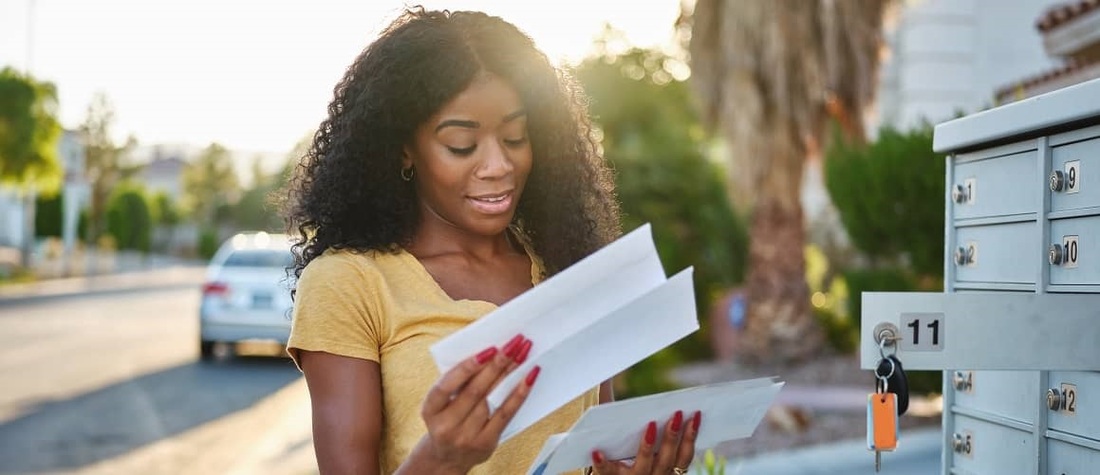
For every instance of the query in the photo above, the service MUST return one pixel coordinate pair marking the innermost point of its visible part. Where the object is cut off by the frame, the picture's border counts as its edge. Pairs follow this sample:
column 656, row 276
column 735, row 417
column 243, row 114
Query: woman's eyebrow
column 469, row 124
column 473, row 124
column 515, row 115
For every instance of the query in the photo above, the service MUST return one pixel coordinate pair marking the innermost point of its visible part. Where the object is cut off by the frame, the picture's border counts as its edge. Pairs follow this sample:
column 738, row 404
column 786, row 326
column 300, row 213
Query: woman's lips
column 492, row 203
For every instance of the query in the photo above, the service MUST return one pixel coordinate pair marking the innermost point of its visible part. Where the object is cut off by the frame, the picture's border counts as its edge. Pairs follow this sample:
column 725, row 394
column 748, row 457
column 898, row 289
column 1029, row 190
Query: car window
column 259, row 258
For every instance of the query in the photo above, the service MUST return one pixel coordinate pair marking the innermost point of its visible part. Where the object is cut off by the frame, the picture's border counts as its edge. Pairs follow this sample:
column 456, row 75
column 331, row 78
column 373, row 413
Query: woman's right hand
column 461, row 431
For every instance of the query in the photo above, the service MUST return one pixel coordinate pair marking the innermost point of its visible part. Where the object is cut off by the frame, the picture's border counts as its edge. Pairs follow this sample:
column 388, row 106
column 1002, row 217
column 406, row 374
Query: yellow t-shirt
column 386, row 307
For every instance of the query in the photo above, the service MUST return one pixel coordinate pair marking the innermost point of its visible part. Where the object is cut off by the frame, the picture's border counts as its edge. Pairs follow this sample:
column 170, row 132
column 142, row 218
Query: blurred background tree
column 210, row 189
column 651, row 133
column 209, row 181
column 29, row 132
column 255, row 210
column 769, row 75
column 167, row 212
column 106, row 163
column 167, row 216
column 130, row 217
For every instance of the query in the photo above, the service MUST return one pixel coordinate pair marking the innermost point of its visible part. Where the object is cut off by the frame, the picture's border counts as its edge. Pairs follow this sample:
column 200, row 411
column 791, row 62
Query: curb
column 179, row 276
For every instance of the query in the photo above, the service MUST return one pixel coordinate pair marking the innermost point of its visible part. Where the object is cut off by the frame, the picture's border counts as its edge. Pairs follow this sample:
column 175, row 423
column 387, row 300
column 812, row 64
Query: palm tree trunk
column 780, row 327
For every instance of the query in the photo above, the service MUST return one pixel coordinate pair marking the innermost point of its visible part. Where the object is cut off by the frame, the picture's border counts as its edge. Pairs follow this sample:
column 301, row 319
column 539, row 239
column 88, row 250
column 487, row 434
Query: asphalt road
column 109, row 382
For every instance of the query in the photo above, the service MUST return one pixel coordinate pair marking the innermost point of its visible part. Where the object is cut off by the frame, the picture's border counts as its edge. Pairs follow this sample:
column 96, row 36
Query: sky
column 252, row 74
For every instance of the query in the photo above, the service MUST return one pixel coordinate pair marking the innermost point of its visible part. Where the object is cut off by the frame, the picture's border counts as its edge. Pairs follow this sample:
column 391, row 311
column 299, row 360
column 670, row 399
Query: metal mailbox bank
column 1017, row 328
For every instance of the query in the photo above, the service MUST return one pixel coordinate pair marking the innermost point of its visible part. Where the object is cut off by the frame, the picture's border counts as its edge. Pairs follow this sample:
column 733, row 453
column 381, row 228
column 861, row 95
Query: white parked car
column 245, row 296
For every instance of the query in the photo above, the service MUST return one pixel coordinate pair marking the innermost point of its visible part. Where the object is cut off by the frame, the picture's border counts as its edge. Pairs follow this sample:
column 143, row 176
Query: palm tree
column 769, row 75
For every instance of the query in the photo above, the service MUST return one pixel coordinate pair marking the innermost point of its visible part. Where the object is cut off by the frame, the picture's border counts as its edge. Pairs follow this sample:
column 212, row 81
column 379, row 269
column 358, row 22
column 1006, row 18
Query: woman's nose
column 495, row 163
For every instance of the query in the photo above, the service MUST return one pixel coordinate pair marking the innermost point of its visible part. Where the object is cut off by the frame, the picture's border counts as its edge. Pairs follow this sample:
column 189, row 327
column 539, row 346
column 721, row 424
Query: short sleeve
column 336, row 308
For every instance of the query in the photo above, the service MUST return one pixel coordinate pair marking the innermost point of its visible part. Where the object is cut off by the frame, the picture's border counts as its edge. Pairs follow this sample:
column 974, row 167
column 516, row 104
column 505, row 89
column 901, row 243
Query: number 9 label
column 1073, row 176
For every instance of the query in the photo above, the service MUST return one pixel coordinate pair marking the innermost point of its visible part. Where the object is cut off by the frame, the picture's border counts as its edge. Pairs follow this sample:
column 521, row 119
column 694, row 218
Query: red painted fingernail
column 651, row 433
column 523, row 350
column 597, row 457
column 512, row 346
column 533, row 375
column 677, row 421
column 486, row 354
column 695, row 420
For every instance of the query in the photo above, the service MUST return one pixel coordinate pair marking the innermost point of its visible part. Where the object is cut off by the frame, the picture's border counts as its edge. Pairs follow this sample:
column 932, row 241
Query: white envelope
column 730, row 410
column 587, row 323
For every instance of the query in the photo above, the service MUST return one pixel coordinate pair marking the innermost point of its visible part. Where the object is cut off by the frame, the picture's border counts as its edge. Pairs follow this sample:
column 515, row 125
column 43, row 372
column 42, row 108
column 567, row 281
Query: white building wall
column 11, row 217
column 949, row 56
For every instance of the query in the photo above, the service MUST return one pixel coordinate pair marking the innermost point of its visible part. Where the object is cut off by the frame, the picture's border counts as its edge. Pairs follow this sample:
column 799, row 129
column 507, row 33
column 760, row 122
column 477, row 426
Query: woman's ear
column 406, row 157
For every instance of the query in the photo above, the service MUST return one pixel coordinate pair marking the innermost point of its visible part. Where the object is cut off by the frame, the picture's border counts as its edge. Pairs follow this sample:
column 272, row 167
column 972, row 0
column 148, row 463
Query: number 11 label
column 922, row 332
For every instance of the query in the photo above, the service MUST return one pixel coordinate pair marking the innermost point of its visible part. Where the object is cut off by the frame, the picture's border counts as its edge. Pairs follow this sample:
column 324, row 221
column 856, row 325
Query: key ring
column 885, row 379
column 889, row 375
column 882, row 346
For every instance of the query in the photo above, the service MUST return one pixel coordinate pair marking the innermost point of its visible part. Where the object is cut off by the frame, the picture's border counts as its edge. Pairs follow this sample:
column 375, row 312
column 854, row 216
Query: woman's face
column 472, row 158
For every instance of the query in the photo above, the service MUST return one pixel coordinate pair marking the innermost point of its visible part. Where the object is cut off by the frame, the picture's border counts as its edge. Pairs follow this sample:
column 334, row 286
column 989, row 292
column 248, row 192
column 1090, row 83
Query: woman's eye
column 462, row 151
column 516, row 142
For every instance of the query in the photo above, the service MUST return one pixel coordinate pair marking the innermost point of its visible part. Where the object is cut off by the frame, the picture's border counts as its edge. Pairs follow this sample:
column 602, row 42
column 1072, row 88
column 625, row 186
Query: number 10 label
column 921, row 332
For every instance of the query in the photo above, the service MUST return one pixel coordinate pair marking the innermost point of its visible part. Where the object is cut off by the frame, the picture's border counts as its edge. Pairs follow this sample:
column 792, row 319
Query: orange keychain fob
column 882, row 422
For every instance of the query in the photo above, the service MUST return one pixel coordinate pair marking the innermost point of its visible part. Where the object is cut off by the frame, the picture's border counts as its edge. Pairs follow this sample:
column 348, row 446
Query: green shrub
column 890, row 197
column 130, row 218
column 47, row 215
column 167, row 211
column 208, row 243
column 83, row 225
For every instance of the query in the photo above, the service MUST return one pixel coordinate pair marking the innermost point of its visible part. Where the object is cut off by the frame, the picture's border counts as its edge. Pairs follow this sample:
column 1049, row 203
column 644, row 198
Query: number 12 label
column 922, row 332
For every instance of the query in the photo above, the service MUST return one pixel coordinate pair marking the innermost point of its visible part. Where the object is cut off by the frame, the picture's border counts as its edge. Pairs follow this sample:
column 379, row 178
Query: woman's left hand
column 671, row 455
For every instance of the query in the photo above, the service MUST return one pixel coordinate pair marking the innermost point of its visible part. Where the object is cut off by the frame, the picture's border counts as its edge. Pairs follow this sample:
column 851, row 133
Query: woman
column 456, row 169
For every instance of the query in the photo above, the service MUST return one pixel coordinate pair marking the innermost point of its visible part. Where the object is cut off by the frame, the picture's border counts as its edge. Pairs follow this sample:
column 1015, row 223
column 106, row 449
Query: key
column 883, row 410
column 882, row 424
column 896, row 380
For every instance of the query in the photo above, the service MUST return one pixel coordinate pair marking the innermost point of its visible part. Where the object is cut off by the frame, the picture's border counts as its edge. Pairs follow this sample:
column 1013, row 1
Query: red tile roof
column 1062, row 13
column 1071, row 67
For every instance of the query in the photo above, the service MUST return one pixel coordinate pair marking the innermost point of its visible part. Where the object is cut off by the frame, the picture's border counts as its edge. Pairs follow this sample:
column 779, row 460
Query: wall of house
column 11, row 217
column 949, row 56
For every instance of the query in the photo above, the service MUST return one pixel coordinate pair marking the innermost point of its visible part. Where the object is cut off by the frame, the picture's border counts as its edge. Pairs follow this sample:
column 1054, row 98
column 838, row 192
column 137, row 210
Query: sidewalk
column 918, row 453
column 173, row 276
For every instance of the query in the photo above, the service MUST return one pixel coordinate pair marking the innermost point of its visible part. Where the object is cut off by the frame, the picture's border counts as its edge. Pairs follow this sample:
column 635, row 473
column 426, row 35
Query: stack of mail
column 588, row 323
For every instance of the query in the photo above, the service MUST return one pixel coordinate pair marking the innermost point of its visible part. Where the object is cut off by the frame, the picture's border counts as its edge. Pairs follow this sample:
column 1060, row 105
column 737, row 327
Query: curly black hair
column 347, row 191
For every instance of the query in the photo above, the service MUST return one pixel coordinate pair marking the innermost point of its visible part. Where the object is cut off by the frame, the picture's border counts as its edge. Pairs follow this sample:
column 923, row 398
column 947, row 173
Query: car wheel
column 206, row 350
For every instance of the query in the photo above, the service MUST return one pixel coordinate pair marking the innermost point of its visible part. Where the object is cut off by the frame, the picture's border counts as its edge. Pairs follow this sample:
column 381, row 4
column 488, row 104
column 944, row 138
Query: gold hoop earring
column 407, row 174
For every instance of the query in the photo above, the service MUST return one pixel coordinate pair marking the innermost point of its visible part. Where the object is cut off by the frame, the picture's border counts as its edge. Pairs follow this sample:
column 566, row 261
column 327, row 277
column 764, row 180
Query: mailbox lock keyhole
column 1057, row 180
column 1054, row 399
column 1055, row 255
